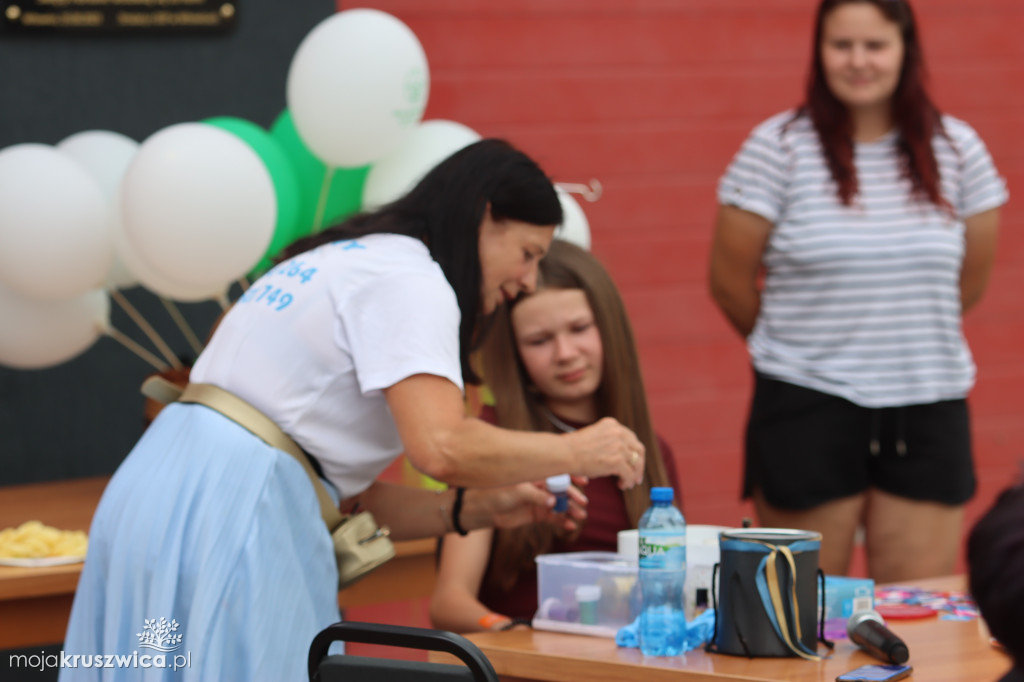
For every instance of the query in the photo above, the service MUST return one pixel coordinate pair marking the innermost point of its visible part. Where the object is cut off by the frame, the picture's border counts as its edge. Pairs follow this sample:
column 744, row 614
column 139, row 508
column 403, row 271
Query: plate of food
column 34, row 544
column 41, row 561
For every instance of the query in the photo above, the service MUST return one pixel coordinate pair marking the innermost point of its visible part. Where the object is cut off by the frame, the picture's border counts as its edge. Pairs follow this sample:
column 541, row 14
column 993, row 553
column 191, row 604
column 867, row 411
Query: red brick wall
column 652, row 97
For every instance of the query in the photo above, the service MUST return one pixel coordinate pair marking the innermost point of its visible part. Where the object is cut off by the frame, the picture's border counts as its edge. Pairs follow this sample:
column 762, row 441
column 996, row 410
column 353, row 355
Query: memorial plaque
column 28, row 17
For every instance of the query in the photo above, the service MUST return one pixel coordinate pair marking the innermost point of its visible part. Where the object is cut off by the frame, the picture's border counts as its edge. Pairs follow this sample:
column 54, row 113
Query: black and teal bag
column 768, row 595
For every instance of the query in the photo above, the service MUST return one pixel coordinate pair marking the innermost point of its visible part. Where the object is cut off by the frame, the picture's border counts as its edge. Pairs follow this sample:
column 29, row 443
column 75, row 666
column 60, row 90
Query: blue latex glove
column 699, row 631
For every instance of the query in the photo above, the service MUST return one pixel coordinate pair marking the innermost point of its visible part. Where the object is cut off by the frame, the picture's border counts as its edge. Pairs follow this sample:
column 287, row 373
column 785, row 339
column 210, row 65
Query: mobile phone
column 876, row 673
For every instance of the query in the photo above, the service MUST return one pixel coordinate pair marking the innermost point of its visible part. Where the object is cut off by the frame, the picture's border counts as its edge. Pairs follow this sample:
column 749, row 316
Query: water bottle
column 662, row 537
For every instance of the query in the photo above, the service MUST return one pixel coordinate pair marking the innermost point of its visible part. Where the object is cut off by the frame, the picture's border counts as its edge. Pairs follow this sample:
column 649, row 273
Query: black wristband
column 517, row 621
column 460, row 492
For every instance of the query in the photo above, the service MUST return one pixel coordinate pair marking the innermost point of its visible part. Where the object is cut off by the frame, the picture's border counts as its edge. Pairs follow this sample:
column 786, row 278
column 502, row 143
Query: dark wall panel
column 81, row 418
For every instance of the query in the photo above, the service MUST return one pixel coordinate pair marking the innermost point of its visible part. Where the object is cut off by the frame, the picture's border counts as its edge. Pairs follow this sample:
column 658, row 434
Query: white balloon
column 143, row 274
column 574, row 228
column 198, row 206
column 430, row 143
column 54, row 224
column 357, row 86
column 106, row 155
column 37, row 334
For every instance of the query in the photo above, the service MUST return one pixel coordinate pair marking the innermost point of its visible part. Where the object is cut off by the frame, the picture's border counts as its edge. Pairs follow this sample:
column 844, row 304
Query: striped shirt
column 861, row 301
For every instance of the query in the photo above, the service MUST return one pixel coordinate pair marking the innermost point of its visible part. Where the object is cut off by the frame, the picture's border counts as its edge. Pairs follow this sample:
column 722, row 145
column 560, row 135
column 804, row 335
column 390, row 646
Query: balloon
column 357, row 86
column 54, row 224
column 574, row 227
column 152, row 279
column 37, row 334
column 198, row 205
column 282, row 174
column 343, row 191
column 106, row 155
column 398, row 172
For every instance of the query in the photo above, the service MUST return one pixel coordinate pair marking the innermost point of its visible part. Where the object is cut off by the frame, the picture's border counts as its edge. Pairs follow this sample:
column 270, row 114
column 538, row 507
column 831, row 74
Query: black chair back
column 347, row 668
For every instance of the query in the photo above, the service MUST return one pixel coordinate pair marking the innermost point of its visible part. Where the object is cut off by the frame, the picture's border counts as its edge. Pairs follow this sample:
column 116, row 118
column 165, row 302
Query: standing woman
column 357, row 347
column 556, row 360
column 874, row 218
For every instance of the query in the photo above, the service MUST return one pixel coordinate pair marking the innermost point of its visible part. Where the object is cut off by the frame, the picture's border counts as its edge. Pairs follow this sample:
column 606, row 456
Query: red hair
column 916, row 117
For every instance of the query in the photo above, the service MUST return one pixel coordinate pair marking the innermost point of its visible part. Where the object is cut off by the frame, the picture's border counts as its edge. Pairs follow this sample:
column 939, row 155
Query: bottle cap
column 585, row 593
column 559, row 483
column 659, row 494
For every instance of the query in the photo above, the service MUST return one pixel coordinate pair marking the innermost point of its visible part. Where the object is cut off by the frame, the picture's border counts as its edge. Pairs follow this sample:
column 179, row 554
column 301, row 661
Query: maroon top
column 606, row 516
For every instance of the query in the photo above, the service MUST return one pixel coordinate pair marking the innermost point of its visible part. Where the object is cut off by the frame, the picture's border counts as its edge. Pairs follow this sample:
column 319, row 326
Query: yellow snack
column 34, row 540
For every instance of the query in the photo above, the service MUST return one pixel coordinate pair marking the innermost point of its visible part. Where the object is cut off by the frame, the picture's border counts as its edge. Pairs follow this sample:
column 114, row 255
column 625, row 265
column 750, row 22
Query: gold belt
column 356, row 537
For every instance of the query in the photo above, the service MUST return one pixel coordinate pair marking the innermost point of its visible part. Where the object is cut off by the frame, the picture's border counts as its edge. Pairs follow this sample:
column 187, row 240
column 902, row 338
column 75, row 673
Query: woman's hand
column 607, row 448
column 515, row 505
column 442, row 442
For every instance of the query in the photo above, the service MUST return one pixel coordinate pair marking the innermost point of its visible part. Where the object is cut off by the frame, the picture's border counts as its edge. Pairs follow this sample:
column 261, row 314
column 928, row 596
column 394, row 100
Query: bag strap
column 252, row 420
column 767, row 581
column 821, row 612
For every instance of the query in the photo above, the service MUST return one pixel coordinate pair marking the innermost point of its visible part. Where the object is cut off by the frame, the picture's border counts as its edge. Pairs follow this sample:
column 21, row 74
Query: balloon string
column 136, row 348
column 321, row 204
column 183, row 325
column 164, row 349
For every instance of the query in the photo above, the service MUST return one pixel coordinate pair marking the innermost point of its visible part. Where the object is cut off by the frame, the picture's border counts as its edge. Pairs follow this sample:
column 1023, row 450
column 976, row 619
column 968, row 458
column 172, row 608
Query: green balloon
column 328, row 195
column 282, row 174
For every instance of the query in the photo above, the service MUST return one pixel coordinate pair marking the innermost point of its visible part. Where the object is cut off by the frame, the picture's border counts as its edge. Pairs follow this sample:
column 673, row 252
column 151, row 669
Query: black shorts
column 805, row 448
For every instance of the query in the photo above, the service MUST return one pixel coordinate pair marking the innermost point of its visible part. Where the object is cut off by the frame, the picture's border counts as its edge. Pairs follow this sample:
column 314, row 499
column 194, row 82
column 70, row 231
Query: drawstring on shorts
column 899, row 427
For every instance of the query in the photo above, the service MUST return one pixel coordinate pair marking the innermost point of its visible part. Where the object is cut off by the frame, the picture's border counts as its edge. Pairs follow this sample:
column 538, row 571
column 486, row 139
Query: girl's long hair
column 520, row 406
column 916, row 117
column 445, row 210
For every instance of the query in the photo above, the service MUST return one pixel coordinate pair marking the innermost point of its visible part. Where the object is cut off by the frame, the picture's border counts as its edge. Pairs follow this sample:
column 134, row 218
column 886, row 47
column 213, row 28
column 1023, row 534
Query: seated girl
column 556, row 360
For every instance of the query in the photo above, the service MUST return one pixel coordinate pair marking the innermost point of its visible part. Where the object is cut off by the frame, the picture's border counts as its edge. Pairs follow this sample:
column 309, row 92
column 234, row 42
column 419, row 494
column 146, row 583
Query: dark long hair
column 620, row 395
column 445, row 210
column 995, row 563
column 916, row 117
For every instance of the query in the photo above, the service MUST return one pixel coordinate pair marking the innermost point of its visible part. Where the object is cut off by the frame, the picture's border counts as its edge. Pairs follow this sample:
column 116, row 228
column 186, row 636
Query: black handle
column 402, row 636
column 711, row 643
column 821, row 618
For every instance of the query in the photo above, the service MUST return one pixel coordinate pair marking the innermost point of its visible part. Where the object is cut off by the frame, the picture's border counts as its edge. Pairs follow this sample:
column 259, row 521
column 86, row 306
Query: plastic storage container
column 702, row 553
column 587, row 593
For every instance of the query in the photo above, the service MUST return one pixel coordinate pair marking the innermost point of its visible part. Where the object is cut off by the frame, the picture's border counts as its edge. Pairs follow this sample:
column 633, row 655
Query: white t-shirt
column 312, row 343
column 861, row 301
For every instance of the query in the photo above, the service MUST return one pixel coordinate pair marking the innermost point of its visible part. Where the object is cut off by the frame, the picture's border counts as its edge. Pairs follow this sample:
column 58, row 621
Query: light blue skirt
column 218, row 534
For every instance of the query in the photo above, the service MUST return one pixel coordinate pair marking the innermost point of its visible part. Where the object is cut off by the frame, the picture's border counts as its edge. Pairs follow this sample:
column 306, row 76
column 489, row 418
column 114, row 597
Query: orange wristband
column 489, row 620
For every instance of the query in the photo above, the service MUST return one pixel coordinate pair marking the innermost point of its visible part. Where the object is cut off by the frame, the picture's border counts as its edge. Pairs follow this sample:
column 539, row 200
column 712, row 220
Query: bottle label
column 662, row 551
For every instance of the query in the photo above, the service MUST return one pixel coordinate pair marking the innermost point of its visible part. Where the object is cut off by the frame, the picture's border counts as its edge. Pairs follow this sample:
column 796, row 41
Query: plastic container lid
column 662, row 494
column 559, row 483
